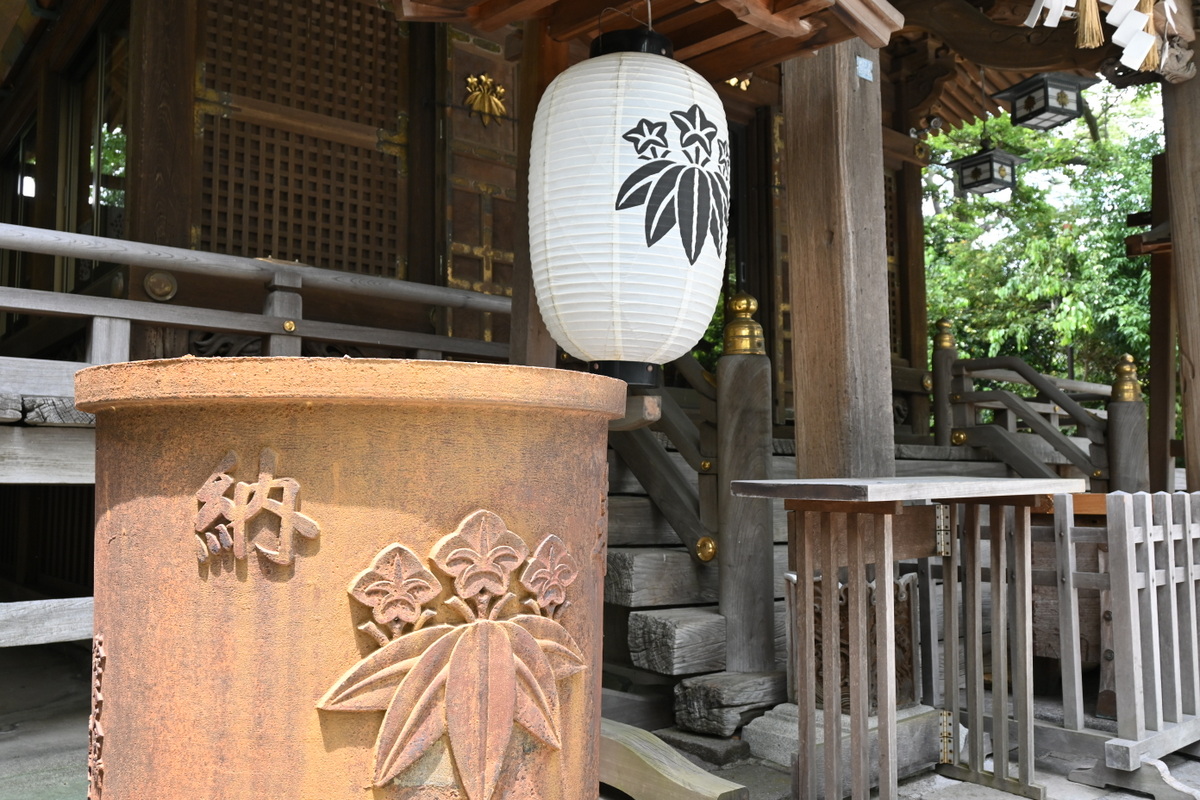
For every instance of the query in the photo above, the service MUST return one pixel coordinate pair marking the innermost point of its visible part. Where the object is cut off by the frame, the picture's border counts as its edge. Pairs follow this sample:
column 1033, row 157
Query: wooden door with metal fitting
column 479, row 154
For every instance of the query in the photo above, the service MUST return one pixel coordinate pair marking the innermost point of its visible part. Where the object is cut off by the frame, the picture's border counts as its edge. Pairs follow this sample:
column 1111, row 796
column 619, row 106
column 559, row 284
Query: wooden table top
column 905, row 489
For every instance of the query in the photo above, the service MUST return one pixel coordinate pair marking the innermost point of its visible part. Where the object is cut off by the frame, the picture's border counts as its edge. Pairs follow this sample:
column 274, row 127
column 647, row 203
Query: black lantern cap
column 635, row 373
column 632, row 40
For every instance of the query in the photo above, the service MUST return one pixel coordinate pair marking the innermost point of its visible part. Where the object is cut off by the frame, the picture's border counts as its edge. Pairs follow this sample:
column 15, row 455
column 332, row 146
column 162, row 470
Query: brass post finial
column 743, row 336
column 1127, row 387
column 943, row 339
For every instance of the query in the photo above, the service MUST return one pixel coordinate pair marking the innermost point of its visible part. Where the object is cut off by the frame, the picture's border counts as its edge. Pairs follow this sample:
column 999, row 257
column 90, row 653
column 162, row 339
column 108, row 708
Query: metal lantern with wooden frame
column 989, row 170
column 1047, row 100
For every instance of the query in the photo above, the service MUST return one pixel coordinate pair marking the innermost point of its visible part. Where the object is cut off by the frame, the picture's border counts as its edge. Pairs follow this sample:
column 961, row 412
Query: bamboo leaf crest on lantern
column 686, row 187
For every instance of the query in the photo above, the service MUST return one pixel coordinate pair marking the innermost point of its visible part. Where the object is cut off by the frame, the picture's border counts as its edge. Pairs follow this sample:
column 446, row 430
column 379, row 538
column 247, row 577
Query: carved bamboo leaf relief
column 485, row 669
column 371, row 683
column 481, row 697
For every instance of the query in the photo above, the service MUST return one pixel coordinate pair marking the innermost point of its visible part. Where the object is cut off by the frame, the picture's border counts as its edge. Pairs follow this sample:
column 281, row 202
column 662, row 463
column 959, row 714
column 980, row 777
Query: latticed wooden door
column 302, row 110
column 480, row 173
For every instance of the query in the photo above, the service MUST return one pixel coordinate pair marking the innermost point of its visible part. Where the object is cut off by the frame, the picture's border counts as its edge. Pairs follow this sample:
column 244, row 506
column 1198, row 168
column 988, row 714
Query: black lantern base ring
column 634, row 373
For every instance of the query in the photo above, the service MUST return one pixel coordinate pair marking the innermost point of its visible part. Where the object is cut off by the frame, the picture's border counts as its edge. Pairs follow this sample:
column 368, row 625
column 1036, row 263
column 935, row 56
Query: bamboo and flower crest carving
column 470, row 680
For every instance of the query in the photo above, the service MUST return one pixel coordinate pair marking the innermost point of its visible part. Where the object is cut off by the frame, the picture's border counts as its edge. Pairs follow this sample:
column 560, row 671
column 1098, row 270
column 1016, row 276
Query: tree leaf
column 660, row 207
column 416, row 717
column 481, row 698
column 635, row 188
column 370, row 684
column 693, row 207
column 560, row 648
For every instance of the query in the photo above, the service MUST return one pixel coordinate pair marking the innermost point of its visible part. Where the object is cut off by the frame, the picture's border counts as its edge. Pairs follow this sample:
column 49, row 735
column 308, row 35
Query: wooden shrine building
column 347, row 178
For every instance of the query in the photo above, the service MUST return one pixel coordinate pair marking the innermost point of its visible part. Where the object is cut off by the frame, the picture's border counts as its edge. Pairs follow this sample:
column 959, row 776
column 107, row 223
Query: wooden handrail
column 1092, row 427
column 78, row 245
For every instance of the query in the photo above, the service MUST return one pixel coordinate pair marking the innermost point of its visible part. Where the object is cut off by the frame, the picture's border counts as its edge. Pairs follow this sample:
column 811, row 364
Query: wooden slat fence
column 1153, row 568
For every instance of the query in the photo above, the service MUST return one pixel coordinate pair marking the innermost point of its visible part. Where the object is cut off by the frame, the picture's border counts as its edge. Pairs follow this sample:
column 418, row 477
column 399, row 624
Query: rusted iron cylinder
column 336, row 578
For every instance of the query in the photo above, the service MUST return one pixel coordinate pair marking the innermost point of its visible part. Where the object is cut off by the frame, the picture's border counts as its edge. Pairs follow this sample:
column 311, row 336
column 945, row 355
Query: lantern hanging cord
column 649, row 17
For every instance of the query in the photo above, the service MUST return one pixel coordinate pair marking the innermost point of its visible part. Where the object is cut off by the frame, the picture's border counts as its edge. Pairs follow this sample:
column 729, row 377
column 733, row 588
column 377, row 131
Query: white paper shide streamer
column 628, row 207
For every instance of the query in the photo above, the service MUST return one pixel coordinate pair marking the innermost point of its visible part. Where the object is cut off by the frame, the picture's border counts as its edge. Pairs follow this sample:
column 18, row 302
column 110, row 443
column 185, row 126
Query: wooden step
column 634, row 521
column 640, row 577
column 686, row 641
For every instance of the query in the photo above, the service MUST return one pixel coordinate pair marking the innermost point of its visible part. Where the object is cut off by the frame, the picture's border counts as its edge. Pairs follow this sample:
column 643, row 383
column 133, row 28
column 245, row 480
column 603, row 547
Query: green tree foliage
column 1041, row 272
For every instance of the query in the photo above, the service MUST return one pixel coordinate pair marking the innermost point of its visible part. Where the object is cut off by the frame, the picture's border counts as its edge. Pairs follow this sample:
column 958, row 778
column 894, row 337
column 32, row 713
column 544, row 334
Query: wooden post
column 944, row 355
column 1181, row 116
column 163, row 146
column 833, row 177
column 744, row 554
column 542, row 58
column 1162, row 343
column 284, row 301
column 1128, row 459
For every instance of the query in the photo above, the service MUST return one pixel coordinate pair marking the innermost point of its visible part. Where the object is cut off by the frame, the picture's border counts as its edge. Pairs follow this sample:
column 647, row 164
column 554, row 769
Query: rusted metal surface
column 349, row 578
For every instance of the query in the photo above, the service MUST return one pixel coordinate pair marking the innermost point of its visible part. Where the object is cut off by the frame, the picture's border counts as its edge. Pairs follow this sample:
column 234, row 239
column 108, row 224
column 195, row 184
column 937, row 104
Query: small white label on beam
column 866, row 69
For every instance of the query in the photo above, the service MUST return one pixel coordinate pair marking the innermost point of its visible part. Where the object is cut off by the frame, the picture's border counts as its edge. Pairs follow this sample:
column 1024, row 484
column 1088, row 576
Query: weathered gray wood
column 871, row 490
column 284, row 302
column 1147, row 565
column 682, row 432
column 108, row 341
column 1128, row 447
column 639, row 577
column 672, row 495
column 1131, row 717
column 640, row 411
column 1068, row 614
column 1189, row 611
column 720, row 703
column 745, row 557
column 1168, row 612
column 802, row 546
column 10, row 408
column 58, row 304
column 964, row 469
column 33, row 376
column 55, row 412
column 972, row 623
column 1181, row 120
column 941, row 363
column 685, row 641
column 858, row 623
column 1022, row 651
column 45, row 621
column 885, row 661
column 641, row 765
column 216, row 265
column 621, row 479
column 47, row 455
column 1005, row 445
column 646, row 711
column 1152, row 778
column 998, row 579
column 1039, row 424
column 833, row 174
column 951, row 660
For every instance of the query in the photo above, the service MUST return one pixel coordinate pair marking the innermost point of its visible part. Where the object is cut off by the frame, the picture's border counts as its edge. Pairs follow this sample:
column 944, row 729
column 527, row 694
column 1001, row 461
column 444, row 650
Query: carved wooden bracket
column 759, row 14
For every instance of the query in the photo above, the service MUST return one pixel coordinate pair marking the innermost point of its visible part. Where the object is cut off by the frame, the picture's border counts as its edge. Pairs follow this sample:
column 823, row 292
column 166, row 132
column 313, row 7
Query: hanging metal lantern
column 628, row 206
column 1047, row 100
column 989, row 170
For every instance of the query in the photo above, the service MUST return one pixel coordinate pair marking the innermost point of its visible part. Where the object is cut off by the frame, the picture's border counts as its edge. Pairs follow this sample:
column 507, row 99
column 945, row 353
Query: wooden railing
column 281, row 323
column 1107, row 444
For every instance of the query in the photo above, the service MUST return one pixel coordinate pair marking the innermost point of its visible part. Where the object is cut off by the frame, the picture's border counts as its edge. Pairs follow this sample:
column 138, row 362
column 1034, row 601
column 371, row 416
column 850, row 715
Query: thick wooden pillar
column 542, row 59
column 1181, row 115
column 163, row 147
column 833, row 179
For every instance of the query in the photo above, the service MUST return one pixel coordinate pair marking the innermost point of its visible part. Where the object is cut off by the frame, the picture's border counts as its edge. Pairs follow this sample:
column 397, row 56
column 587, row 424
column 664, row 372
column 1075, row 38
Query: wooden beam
column 1181, row 116
column 45, row 621
column 759, row 50
column 833, row 177
column 493, row 14
column 759, row 14
column 47, row 455
column 1163, row 327
column 971, row 34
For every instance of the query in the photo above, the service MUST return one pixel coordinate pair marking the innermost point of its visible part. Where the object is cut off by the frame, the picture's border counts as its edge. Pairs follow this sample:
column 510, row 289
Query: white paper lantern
column 628, row 207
